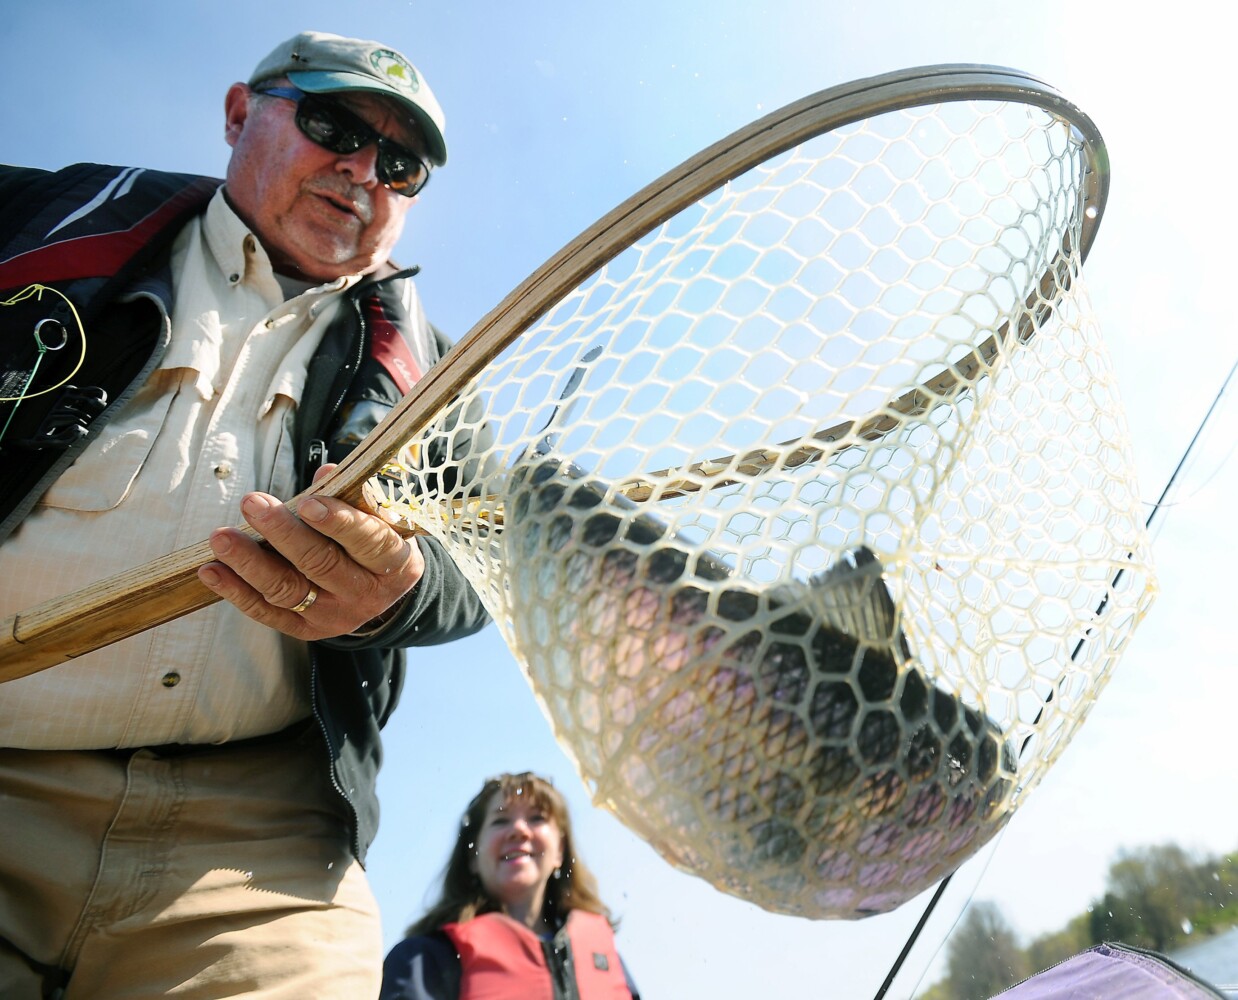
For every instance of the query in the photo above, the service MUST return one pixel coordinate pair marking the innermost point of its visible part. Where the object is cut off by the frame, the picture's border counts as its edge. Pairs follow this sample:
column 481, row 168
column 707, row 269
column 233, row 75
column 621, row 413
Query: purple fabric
column 1108, row 972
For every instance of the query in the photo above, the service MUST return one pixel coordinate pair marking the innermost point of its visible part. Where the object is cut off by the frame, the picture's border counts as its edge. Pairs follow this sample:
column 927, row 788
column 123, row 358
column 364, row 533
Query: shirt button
column 170, row 679
column 234, row 278
column 223, row 470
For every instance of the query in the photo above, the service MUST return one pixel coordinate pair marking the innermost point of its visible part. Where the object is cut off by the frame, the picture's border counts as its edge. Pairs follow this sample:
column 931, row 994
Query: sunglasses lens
column 322, row 125
column 400, row 170
column 338, row 130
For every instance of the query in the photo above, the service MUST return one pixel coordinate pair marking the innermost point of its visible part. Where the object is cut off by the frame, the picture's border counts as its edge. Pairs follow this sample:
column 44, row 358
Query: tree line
column 1155, row 897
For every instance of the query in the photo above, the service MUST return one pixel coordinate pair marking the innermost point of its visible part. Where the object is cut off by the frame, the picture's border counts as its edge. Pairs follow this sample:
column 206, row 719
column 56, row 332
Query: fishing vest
column 87, row 232
column 91, row 221
column 501, row 959
column 101, row 235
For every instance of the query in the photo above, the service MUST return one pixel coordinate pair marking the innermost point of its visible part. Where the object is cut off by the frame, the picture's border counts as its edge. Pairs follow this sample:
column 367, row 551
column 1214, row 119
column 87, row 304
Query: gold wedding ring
column 307, row 602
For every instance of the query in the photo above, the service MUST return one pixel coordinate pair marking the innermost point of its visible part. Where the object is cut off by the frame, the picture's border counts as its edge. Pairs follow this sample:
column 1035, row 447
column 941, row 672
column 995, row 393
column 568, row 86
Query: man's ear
column 236, row 111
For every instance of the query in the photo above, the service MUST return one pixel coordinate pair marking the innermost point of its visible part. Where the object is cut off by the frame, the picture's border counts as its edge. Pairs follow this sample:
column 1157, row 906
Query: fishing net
column 810, row 516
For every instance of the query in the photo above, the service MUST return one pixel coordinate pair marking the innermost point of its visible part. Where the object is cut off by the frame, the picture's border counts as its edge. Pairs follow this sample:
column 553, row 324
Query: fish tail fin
column 853, row 597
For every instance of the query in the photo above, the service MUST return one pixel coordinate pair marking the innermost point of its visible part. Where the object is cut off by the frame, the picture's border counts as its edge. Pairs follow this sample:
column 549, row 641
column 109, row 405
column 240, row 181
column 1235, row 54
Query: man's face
column 319, row 214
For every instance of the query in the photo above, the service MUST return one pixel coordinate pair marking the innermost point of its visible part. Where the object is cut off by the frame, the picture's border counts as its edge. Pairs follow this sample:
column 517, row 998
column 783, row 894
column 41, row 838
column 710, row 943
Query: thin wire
column 911, row 940
column 1156, row 508
column 16, row 400
column 37, row 291
column 1224, row 461
column 1161, row 502
column 984, row 870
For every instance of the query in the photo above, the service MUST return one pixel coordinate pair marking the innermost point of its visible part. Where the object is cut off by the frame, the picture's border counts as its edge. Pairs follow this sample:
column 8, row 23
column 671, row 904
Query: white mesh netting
column 895, row 547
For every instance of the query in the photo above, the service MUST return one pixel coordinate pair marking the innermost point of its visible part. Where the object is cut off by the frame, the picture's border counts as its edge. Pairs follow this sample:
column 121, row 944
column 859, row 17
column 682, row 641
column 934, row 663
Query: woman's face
column 518, row 849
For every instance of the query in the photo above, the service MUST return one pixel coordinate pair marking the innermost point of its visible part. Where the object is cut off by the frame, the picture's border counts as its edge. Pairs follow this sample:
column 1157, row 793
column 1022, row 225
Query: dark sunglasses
column 334, row 127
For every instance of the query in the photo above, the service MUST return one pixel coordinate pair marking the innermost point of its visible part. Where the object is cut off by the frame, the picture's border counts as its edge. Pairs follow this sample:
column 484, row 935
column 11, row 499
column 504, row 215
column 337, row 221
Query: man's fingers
column 230, row 586
column 358, row 566
column 307, row 549
column 368, row 540
column 263, row 575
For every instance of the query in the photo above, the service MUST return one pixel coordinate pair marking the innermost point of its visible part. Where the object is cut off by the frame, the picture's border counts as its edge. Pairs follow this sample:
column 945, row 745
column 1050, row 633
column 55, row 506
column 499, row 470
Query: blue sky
column 558, row 110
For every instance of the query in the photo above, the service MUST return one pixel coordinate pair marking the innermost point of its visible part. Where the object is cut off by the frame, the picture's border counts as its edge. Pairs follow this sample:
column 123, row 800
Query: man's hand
column 357, row 564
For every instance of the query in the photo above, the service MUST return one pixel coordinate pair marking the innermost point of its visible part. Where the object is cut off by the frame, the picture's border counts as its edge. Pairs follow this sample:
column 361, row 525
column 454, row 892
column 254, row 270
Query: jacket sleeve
column 13, row 181
column 421, row 968
column 443, row 606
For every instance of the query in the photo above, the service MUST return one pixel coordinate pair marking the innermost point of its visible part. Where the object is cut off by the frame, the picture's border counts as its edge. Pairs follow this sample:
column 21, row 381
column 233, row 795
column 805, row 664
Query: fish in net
column 791, row 720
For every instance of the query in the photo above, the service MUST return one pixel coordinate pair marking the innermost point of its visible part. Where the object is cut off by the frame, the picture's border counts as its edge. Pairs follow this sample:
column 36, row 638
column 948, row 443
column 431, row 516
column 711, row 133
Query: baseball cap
column 322, row 63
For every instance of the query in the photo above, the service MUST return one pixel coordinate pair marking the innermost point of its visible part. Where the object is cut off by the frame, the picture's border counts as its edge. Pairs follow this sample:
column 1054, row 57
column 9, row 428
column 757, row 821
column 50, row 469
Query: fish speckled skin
column 778, row 741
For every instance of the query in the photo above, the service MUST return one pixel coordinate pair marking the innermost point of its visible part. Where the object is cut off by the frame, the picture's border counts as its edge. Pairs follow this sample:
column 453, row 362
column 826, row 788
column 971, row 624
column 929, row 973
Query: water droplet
column 330, row 865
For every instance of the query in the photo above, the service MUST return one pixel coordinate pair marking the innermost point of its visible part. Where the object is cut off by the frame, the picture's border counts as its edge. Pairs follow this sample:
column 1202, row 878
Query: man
column 186, row 812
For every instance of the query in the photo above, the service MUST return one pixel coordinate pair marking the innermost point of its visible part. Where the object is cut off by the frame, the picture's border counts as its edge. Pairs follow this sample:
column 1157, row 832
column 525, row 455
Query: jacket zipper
column 559, row 964
column 330, row 749
column 318, row 445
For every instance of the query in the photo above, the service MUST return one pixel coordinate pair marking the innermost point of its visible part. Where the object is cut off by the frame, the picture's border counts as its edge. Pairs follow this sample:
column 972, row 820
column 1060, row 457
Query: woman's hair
column 573, row 887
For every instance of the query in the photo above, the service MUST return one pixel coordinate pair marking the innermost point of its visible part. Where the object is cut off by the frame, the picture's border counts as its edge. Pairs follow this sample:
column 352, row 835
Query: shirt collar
column 242, row 257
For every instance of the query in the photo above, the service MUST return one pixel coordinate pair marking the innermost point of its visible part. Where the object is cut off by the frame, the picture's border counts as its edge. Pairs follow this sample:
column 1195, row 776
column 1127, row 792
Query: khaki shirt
column 212, row 423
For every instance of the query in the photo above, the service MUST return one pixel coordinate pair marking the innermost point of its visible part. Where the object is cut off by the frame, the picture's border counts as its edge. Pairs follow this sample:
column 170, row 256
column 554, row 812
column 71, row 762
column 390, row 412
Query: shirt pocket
column 103, row 475
column 281, row 474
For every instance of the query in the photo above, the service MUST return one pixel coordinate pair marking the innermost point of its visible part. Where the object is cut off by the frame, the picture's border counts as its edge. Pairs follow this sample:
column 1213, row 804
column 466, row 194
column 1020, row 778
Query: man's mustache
column 355, row 197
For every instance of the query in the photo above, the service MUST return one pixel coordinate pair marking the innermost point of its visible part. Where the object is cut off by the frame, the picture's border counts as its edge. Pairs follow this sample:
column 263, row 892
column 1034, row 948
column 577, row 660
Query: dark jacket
column 112, row 260
column 579, row 963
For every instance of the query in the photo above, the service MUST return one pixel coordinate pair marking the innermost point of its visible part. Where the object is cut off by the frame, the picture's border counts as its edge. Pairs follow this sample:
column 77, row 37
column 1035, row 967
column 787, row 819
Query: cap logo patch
column 395, row 69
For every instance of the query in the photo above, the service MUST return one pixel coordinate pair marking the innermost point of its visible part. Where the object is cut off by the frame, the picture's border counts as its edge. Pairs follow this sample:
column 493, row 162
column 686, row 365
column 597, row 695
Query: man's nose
column 361, row 165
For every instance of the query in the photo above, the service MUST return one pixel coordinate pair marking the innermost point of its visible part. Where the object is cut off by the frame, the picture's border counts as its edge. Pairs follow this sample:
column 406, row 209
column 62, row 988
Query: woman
column 518, row 917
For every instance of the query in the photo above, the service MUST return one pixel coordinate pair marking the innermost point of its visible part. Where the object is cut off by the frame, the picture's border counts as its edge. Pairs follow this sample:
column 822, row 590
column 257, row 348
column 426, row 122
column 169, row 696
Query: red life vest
column 501, row 959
